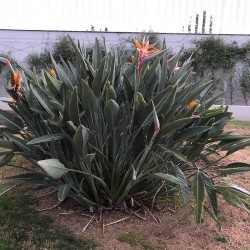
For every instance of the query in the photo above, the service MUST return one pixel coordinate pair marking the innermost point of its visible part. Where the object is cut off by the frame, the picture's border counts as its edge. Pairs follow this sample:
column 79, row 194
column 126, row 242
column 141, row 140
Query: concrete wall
column 22, row 43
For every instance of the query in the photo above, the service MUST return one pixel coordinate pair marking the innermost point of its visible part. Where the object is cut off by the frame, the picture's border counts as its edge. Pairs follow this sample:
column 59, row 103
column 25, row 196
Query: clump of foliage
column 109, row 135
column 214, row 53
column 60, row 49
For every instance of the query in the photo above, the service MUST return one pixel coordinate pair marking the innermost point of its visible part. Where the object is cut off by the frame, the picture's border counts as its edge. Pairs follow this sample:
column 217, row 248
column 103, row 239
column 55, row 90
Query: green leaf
column 236, row 167
column 171, row 178
column 80, row 139
column 184, row 189
column 73, row 108
column 175, row 153
column 237, row 146
column 97, row 82
column 53, row 84
column 63, row 192
column 11, row 121
column 46, row 138
column 6, row 159
column 194, row 93
column 211, row 193
column 89, row 100
column 53, row 167
column 190, row 132
column 175, row 125
column 199, row 196
column 19, row 142
column 97, row 54
column 4, row 188
column 112, row 113
column 43, row 99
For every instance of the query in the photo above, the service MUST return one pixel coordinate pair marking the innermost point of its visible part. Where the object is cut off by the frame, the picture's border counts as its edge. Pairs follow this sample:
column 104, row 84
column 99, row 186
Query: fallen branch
column 155, row 219
column 85, row 227
column 117, row 221
column 73, row 212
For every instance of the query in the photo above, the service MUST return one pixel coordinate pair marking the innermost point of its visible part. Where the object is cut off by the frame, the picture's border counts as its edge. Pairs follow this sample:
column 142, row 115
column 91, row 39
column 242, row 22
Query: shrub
column 113, row 139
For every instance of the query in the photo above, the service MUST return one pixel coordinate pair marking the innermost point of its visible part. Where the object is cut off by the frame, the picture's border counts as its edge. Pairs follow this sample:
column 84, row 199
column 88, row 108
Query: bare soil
column 175, row 229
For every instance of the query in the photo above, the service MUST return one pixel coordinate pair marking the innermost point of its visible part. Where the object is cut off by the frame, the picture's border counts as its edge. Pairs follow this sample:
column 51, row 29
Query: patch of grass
column 239, row 123
column 22, row 228
column 136, row 239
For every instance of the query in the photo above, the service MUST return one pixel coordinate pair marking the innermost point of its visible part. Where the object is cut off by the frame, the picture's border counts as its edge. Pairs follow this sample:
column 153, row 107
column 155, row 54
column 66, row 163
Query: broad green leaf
column 11, row 121
column 175, row 125
column 236, row 167
column 53, row 167
column 98, row 80
column 43, row 99
column 89, row 100
column 46, row 138
column 190, row 132
column 211, row 193
column 97, row 54
column 53, row 84
column 73, row 108
column 237, row 146
column 194, row 93
column 63, row 191
column 171, row 178
column 19, row 142
column 112, row 113
column 80, row 139
column 175, row 153
column 199, row 196
column 4, row 188
column 184, row 189
column 6, row 144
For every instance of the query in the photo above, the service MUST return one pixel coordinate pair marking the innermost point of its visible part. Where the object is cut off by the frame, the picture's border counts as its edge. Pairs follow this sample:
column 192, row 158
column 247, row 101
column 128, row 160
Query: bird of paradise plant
column 107, row 144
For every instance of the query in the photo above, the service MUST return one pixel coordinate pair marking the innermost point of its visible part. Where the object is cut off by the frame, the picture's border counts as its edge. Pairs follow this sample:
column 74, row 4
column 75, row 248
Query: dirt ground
column 172, row 228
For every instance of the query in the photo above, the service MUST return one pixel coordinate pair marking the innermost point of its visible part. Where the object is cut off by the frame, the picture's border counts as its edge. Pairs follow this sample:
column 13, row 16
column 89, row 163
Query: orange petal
column 137, row 44
column 17, row 78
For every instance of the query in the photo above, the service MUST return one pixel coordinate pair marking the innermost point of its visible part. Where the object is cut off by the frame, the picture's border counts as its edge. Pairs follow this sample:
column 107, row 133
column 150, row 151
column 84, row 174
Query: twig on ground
column 85, row 227
column 117, row 221
column 157, row 191
column 42, row 195
column 73, row 212
column 137, row 215
column 50, row 208
column 155, row 219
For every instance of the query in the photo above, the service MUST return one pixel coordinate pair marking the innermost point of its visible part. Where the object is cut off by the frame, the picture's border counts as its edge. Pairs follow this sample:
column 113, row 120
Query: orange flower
column 145, row 49
column 192, row 103
column 17, row 79
column 53, row 73
column 16, row 75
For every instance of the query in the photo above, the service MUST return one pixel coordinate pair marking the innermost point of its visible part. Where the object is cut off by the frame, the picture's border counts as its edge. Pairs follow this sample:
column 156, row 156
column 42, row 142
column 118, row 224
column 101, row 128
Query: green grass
column 22, row 228
column 239, row 123
column 136, row 239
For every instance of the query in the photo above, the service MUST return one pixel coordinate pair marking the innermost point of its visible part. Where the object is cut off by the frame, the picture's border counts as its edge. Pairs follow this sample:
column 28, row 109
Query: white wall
column 22, row 43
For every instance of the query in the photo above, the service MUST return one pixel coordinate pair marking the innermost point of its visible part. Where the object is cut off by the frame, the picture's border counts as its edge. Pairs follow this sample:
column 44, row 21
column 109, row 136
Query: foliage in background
column 214, row 55
column 115, row 136
column 60, row 49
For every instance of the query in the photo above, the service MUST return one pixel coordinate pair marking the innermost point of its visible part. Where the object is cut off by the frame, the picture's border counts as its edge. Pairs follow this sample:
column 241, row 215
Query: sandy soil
column 175, row 229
